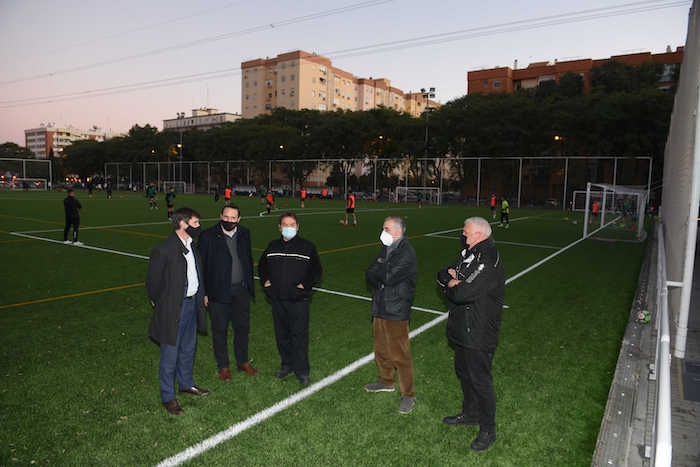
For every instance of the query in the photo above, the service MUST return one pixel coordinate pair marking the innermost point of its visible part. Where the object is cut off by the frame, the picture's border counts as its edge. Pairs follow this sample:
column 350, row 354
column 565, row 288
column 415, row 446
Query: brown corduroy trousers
column 392, row 350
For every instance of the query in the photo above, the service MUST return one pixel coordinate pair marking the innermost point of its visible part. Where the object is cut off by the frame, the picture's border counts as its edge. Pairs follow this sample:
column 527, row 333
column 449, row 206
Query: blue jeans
column 178, row 360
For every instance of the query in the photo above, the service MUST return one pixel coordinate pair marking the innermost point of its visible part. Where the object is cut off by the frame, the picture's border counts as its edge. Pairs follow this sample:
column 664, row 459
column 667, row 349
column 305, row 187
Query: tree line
column 625, row 113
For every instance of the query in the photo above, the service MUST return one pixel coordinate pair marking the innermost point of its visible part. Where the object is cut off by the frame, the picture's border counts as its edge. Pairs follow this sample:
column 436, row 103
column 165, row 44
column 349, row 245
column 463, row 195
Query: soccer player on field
column 151, row 194
column 270, row 202
column 325, row 194
column 108, row 188
column 493, row 206
column 227, row 195
column 594, row 212
column 420, row 200
column 303, row 196
column 505, row 214
column 72, row 208
column 350, row 209
column 170, row 201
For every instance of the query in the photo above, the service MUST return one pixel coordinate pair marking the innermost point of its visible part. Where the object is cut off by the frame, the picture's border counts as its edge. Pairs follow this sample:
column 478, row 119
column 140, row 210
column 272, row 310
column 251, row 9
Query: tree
column 15, row 151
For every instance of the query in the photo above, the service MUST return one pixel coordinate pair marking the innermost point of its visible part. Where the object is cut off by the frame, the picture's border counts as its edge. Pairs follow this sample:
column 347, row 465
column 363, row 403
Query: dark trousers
column 473, row 368
column 504, row 218
column 75, row 222
column 238, row 314
column 178, row 360
column 292, row 334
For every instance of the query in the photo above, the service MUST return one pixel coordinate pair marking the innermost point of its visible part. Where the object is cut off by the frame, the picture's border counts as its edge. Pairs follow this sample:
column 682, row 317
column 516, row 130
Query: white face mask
column 289, row 232
column 386, row 238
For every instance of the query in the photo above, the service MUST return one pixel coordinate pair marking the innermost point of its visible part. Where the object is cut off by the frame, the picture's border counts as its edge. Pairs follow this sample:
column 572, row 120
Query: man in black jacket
column 176, row 291
column 392, row 276
column 474, row 286
column 72, row 207
column 289, row 268
column 227, row 271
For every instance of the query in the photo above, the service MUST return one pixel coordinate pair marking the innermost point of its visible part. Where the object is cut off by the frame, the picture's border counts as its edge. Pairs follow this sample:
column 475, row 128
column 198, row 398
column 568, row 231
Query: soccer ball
column 341, row 221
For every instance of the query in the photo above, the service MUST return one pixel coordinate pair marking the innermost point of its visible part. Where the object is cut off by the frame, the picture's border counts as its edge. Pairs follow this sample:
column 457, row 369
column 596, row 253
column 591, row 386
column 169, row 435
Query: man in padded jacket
column 474, row 286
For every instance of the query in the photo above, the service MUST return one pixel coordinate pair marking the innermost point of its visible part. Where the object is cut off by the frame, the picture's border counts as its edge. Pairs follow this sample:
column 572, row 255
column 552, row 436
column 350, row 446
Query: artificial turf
column 79, row 374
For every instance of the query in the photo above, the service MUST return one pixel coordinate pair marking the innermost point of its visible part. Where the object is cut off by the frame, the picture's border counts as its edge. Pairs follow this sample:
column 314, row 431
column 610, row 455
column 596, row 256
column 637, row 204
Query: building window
column 275, row 93
column 291, row 92
column 246, row 84
column 486, row 83
column 284, row 78
column 284, row 92
column 284, row 65
column 269, row 95
column 268, row 83
column 291, row 77
column 268, row 106
column 322, row 80
column 255, row 83
column 496, row 83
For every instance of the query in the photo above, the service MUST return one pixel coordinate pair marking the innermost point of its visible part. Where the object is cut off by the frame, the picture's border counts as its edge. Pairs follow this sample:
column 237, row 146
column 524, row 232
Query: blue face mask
column 289, row 232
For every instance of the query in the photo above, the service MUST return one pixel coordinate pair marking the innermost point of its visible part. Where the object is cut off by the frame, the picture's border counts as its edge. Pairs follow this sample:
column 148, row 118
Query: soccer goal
column 619, row 210
column 24, row 183
column 180, row 187
column 408, row 194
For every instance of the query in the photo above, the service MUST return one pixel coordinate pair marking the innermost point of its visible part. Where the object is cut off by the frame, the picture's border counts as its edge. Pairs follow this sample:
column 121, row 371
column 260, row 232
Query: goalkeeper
column 505, row 214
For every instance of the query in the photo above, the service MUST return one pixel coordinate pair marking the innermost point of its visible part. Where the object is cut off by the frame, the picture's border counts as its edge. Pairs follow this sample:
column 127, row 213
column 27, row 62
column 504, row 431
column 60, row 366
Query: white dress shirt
column 192, row 279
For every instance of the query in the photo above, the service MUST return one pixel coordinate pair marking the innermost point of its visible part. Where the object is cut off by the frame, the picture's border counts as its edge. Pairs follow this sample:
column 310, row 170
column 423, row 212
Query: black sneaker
column 283, row 372
column 483, row 440
column 460, row 419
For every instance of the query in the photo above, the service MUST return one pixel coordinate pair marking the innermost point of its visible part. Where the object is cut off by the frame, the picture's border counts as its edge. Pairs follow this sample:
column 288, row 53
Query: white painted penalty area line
column 531, row 245
column 86, row 247
column 435, row 234
column 234, row 430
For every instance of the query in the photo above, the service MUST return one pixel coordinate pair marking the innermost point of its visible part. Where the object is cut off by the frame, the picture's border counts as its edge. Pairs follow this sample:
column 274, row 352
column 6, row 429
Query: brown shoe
column 173, row 407
column 247, row 368
column 224, row 374
column 195, row 391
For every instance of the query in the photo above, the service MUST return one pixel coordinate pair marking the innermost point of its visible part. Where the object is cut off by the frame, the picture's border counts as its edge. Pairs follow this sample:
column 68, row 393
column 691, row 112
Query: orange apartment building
column 507, row 80
column 301, row 80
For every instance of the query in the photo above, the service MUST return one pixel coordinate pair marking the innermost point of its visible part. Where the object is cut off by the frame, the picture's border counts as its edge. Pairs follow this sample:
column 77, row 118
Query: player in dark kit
column 72, row 208
column 151, row 195
column 108, row 188
column 170, row 201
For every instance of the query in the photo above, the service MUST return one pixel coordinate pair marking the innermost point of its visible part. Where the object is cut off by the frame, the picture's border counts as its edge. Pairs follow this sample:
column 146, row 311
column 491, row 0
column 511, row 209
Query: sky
column 70, row 48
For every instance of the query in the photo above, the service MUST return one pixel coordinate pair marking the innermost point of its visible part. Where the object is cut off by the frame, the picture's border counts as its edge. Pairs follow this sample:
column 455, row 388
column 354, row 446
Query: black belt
column 191, row 297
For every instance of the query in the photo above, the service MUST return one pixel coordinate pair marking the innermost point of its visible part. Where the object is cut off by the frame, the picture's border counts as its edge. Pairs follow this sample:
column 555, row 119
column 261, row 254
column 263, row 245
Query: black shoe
column 460, row 419
column 283, row 372
column 303, row 379
column 483, row 440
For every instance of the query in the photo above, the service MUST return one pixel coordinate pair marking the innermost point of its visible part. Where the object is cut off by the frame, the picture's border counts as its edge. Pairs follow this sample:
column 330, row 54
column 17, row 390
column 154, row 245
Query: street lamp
column 427, row 95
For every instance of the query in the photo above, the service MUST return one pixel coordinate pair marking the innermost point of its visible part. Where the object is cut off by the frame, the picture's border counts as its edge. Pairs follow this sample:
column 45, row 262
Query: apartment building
column 507, row 80
column 301, row 80
column 202, row 119
column 48, row 136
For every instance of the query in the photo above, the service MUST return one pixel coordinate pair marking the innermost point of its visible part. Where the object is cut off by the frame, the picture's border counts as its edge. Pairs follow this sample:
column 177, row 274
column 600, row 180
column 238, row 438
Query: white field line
column 532, row 245
column 435, row 234
column 313, row 213
column 259, row 417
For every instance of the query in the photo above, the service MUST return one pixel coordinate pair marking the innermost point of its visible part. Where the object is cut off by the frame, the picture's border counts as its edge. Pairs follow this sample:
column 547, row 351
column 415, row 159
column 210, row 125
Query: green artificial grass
column 80, row 376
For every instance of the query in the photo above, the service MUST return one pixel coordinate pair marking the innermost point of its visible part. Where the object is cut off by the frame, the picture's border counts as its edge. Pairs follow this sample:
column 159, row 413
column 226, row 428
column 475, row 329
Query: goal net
column 412, row 194
column 15, row 183
column 180, row 187
column 618, row 212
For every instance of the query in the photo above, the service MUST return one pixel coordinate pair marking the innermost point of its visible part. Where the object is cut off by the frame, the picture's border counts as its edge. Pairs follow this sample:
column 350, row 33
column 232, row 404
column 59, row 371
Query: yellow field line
column 80, row 294
column 31, row 219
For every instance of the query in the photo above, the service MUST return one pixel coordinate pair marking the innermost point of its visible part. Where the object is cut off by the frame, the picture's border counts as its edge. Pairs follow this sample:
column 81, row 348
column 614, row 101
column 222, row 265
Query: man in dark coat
column 474, row 286
column 176, row 291
column 392, row 276
column 289, row 268
column 228, row 277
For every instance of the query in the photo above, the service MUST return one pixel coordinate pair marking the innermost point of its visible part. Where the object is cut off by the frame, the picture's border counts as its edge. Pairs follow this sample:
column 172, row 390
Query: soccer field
column 80, row 376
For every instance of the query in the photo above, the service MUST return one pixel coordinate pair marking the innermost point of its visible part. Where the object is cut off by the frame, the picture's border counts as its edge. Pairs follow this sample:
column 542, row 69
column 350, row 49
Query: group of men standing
column 217, row 273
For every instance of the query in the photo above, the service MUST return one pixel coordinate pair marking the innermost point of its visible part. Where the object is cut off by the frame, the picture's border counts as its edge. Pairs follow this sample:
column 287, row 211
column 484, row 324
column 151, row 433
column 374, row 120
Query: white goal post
column 180, row 187
column 624, row 206
column 24, row 183
column 427, row 194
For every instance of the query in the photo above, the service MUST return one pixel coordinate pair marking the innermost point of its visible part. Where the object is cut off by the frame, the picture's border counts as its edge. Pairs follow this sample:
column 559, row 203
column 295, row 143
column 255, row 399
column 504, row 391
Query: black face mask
column 193, row 231
column 229, row 226
column 463, row 241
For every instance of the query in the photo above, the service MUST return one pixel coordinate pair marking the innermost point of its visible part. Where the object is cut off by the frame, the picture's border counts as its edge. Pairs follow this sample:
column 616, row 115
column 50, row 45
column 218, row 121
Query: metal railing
column 661, row 435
